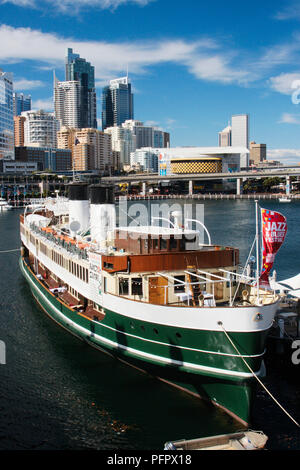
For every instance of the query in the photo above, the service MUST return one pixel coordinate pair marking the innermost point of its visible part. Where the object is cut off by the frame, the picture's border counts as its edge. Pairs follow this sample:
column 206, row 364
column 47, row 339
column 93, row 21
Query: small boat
column 4, row 206
column 284, row 199
column 245, row 440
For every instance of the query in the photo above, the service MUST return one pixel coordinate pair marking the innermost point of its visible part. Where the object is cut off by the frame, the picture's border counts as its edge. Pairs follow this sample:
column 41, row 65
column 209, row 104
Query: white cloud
column 151, row 123
column 24, row 84
column 285, row 82
column 288, row 118
column 286, row 156
column 72, row 7
column 290, row 12
column 203, row 58
column 45, row 104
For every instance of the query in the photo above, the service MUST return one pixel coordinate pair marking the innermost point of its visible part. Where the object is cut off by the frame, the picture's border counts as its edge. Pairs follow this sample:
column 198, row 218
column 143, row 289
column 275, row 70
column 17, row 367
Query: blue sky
column 192, row 64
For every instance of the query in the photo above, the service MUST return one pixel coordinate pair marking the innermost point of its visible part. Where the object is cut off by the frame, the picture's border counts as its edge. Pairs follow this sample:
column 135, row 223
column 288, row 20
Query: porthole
column 178, row 335
column 155, row 331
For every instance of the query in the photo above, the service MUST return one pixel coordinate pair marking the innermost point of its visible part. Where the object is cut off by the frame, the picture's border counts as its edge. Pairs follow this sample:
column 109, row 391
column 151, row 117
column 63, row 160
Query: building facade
column 21, row 103
column 67, row 101
column 225, row 137
column 19, row 130
column 13, row 167
column 147, row 136
column 240, row 130
column 6, row 116
column 123, row 141
column 258, row 153
column 78, row 69
column 46, row 158
column 146, row 159
column 117, row 103
column 40, row 129
column 91, row 148
column 200, row 160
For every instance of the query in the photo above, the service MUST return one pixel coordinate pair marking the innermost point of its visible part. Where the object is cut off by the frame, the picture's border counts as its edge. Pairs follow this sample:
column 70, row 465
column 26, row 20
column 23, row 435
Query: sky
column 192, row 64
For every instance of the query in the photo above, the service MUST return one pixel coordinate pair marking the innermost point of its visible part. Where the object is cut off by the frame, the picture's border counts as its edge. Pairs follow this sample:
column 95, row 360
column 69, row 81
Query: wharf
column 216, row 196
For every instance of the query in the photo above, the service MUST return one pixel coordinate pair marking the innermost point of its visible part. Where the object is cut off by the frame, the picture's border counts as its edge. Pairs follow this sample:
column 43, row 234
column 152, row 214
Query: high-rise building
column 117, row 103
column 6, row 116
column 21, row 103
column 67, row 99
column 258, row 153
column 91, row 148
column 240, row 130
column 146, row 159
column 123, row 141
column 147, row 136
column 40, row 129
column 225, row 137
column 78, row 69
column 19, row 130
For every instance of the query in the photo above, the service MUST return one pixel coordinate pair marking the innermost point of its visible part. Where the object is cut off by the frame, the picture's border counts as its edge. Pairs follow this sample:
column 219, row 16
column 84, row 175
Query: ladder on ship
column 195, row 290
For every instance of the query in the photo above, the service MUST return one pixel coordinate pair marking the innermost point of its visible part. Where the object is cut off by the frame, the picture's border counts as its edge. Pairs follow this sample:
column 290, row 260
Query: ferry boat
column 152, row 296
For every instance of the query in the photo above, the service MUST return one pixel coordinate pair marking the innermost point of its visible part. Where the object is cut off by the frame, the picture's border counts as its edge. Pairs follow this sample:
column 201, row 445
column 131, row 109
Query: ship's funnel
column 79, row 212
column 102, row 212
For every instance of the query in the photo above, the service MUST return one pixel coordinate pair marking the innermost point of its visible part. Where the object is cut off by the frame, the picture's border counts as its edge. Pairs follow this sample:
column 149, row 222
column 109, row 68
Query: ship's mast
column 257, row 250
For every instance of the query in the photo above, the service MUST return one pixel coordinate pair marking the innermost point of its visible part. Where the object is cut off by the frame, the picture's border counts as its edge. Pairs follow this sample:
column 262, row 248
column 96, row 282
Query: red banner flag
column 274, row 228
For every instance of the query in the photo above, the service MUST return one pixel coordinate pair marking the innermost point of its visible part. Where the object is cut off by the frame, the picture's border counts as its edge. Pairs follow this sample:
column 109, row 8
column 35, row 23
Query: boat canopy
column 292, row 282
column 38, row 220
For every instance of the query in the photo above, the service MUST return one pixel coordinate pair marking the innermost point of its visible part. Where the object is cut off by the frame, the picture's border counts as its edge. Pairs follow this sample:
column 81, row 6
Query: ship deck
column 66, row 297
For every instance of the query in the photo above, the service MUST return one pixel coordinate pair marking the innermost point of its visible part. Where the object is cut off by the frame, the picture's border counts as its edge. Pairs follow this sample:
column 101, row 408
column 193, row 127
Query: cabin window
column 104, row 284
column 123, row 286
column 155, row 243
column 163, row 243
column 137, row 286
column 108, row 265
column 173, row 243
column 178, row 286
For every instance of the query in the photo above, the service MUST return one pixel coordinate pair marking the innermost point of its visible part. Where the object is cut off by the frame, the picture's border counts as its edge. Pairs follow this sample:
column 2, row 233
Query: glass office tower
column 7, row 150
column 21, row 103
column 117, row 103
column 78, row 69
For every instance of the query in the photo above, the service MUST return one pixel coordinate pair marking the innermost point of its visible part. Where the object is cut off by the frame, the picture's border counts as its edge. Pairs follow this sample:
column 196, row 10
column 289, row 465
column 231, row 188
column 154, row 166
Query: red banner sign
column 274, row 228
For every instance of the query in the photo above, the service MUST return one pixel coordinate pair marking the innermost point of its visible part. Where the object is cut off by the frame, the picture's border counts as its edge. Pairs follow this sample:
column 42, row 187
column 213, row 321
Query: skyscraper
column 40, row 129
column 6, row 116
column 240, row 130
column 117, row 103
column 67, row 99
column 91, row 148
column 21, row 103
column 225, row 137
column 78, row 69
column 258, row 153
column 19, row 130
column 147, row 136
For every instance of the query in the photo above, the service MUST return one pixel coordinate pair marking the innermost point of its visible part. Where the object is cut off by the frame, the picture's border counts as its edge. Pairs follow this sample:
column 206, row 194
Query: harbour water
column 58, row 393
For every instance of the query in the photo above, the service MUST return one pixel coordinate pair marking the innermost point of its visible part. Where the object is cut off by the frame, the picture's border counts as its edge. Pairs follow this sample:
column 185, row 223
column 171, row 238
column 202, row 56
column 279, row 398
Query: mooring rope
column 257, row 378
column 10, row 251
